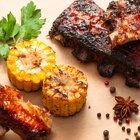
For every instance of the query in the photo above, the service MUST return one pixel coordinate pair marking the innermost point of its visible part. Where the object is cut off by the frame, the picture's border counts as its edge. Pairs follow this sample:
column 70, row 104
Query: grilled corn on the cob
column 28, row 63
column 64, row 90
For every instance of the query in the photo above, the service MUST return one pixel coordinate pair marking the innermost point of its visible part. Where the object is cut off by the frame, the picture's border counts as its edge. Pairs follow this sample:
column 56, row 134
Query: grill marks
column 86, row 28
column 123, row 18
column 25, row 119
column 83, row 23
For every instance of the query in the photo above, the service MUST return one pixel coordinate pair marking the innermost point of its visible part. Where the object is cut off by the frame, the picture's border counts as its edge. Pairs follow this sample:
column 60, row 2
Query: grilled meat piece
column 123, row 17
column 129, row 56
column 81, row 27
column 25, row 119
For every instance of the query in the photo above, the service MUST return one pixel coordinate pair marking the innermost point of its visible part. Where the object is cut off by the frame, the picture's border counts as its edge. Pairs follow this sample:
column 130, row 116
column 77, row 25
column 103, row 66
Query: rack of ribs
column 83, row 26
column 123, row 18
column 27, row 120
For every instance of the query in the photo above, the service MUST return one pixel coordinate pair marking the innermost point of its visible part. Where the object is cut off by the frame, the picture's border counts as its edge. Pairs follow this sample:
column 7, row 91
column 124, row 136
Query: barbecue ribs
column 123, row 17
column 25, row 119
column 82, row 27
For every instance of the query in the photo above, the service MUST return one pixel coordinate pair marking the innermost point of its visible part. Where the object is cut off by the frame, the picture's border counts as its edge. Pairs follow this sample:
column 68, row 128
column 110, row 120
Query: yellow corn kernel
column 48, row 98
column 35, row 82
column 64, row 105
column 27, row 83
column 56, row 105
column 19, row 83
column 64, row 93
column 28, row 64
column 72, row 105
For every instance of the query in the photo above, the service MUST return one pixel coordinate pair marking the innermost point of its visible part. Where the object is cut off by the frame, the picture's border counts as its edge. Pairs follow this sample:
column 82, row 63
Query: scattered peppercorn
column 137, row 137
column 99, row 115
column 135, row 133
column 112, row 89
column 127, row 120
column 120, row 122
column 138, row 128
column 89, row 107
column 115, row 118
column 123, row 128
column 106, row 138
column 106, row 133
column 128, row 130
column 106, row 83
column 107, row 115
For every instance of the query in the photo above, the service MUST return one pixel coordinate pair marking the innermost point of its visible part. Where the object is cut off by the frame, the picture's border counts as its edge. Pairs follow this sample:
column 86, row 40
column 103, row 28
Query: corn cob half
column 64, row 90
column 27, row 64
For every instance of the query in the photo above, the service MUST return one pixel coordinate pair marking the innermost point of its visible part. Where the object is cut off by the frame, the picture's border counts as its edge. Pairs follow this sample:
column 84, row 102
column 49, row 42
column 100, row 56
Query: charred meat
column 25, row 119
column 123, row 18
column 82, row 26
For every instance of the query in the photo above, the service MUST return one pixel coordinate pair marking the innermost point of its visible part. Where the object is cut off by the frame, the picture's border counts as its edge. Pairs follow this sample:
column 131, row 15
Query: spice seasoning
column 106, row 138
column 106, row 133
column 125, row 107
column 137, row 137
column 128, row 130
column 99, row 115
column 127, row 120
column 115, row 118
column 106, row 83
column 107, row 115
column 112, row 89
column 135, row 133
column 123, row 128
column 138, row 128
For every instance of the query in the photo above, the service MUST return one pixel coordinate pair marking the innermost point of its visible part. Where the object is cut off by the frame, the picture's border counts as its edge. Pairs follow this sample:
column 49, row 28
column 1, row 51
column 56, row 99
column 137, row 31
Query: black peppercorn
column 106, row 133
column 106, row 138
column 112, row 89
column 137, row 137
column 89, row 107
column 128, row 130
column 99, row 115
column 107, row 115
column 135, row 133
column 138, row 128
column 123, row 128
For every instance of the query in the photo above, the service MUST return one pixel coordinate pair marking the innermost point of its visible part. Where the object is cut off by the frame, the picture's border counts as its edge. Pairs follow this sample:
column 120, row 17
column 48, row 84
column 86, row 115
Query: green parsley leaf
column 31, row 29
column 2, row 34
column 4, row 50
column 30, row 22
column 29, row 12
column 10, row 31
column 9, row 26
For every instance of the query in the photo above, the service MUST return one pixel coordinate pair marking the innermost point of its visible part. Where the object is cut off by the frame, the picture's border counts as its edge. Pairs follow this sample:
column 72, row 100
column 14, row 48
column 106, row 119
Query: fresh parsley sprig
column 11, row 31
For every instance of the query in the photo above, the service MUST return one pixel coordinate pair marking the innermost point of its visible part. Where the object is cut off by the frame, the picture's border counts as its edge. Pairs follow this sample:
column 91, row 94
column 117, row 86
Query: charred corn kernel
column 64, row 90
column 27, row 64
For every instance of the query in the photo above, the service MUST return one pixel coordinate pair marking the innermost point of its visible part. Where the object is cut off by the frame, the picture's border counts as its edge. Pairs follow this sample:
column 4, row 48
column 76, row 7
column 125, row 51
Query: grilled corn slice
column 64, row 90
column 28, row 63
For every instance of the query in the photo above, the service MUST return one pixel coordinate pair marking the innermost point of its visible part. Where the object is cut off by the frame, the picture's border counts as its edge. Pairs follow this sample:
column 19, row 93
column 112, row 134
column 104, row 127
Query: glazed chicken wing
column 25, row 119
